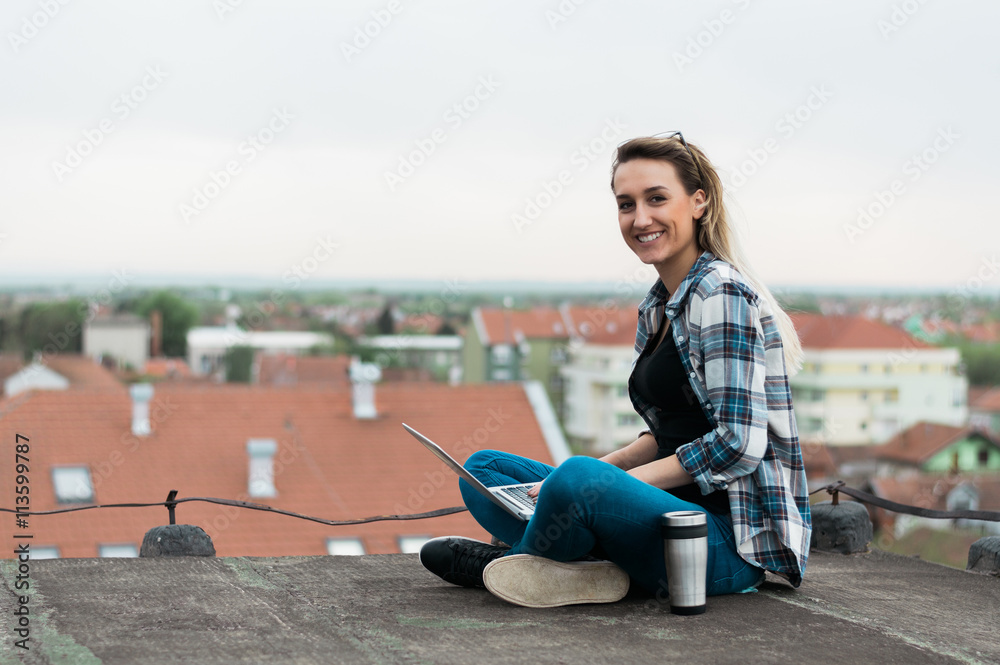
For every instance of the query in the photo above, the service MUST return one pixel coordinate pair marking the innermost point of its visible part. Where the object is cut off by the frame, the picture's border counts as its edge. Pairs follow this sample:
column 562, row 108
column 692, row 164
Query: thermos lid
column 683, row 518
column 683, row 524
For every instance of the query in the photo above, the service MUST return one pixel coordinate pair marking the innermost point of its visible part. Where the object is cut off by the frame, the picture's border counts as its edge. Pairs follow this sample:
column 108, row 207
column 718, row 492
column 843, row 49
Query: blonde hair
column 715, row 233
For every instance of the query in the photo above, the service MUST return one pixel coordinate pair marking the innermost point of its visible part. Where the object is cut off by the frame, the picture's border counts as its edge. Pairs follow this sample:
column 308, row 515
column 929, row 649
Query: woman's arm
column 666, row 473
column 639, row 452
column 734, row 367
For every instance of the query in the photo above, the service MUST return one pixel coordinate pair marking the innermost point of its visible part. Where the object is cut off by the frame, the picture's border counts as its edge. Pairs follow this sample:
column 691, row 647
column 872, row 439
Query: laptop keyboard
column 520, row 495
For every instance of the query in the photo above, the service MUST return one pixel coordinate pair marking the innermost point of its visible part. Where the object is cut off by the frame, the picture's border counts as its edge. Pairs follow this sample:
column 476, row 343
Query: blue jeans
column 589, row 506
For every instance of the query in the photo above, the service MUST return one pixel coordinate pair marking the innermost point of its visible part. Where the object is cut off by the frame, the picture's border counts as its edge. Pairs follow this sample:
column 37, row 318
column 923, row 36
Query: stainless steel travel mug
column 685, row 548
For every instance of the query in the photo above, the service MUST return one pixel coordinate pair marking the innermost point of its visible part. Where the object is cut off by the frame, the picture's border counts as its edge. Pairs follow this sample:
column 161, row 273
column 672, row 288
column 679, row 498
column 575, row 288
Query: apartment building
column 863, row 381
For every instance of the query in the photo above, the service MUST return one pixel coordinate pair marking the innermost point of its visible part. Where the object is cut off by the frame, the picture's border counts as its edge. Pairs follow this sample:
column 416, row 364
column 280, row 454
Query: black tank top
column 660, row 379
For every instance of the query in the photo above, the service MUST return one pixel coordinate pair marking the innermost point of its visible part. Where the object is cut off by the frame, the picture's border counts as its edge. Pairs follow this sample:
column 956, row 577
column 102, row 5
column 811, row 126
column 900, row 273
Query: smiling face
column 657, row 217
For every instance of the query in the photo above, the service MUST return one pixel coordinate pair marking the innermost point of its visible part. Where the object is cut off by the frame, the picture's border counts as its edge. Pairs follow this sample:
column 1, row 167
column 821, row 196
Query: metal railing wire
column 171, row 502
column 864, row 497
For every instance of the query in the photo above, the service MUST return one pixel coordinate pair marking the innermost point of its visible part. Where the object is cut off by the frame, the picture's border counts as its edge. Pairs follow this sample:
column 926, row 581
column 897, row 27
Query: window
column 864, row 395
column 501, row 375
column 344, row 546
column 984, row 458
column 864, row 369
column 411, row 544
column 628, row 419
column 119, row 551
column 621, row 390
column 817, row 395
column 44, row 552
column 72, row 484
column 558, row 355
column 501, row 354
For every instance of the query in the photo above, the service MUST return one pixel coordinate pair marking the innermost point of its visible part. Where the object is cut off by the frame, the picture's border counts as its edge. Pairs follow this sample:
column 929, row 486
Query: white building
column 598, row 415
column 441, row 355
column 207, row 346
column 124, row 337
column 35, row 376
column 863, row 381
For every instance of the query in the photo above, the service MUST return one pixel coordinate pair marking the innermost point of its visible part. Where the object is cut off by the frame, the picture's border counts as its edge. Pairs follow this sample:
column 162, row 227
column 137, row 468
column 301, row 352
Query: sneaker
column 459, row 560
column 534, row 581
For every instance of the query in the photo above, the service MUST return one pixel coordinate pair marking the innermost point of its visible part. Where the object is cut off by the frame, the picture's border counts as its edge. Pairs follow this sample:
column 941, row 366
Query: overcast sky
column 397, row 139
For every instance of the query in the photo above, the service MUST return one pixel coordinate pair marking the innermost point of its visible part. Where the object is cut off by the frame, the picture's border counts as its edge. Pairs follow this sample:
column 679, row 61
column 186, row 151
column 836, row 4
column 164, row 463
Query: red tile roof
column 817, row 331
column 10, row 364
column 328, row 464
column 931, row 491
column 818, row 460
column 607, row 326
column 83, row 372
column 985, row 400
column 283, row 369
column 921, row 441
column 611, row 325
column 504, row 325
column 167, row 368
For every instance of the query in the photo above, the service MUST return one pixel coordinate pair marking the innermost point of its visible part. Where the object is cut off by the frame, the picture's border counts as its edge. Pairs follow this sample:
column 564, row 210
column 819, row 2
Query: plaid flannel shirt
column 731, row 350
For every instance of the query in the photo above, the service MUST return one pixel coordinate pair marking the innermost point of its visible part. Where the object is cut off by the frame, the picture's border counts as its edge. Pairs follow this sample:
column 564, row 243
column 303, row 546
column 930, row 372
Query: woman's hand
column 533, row 492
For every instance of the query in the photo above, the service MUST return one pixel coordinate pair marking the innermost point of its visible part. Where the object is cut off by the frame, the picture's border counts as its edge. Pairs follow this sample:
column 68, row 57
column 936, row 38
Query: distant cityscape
column 290, row 397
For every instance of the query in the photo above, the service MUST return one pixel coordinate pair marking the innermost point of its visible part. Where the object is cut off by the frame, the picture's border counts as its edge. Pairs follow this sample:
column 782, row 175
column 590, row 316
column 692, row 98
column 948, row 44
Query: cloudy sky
column 464, row 141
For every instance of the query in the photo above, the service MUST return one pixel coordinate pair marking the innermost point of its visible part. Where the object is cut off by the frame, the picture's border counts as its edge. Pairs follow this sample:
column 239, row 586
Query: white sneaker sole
column 534, row 581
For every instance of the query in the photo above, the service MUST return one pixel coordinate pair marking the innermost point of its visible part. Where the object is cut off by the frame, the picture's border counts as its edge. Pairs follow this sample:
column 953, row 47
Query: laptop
column 513, row 499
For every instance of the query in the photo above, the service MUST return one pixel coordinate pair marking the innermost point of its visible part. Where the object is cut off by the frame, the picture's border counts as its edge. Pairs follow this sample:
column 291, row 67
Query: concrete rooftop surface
column 864, row 608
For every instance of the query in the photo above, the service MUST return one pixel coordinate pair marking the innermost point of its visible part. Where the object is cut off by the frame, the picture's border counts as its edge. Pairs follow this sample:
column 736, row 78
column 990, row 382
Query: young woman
column 710, row 379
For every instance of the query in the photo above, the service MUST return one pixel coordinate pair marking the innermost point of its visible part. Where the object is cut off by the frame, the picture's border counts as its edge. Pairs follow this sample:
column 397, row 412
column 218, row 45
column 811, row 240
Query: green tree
column 982, row 363
column 53, row 327
column 239, row 361
column 385, row 324
column 178, row 316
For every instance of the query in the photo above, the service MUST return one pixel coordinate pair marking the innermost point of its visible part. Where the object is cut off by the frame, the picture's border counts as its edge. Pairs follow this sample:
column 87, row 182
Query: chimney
column 261, row 479
column 156, row 333
column 364, row 376
column 141, row 394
